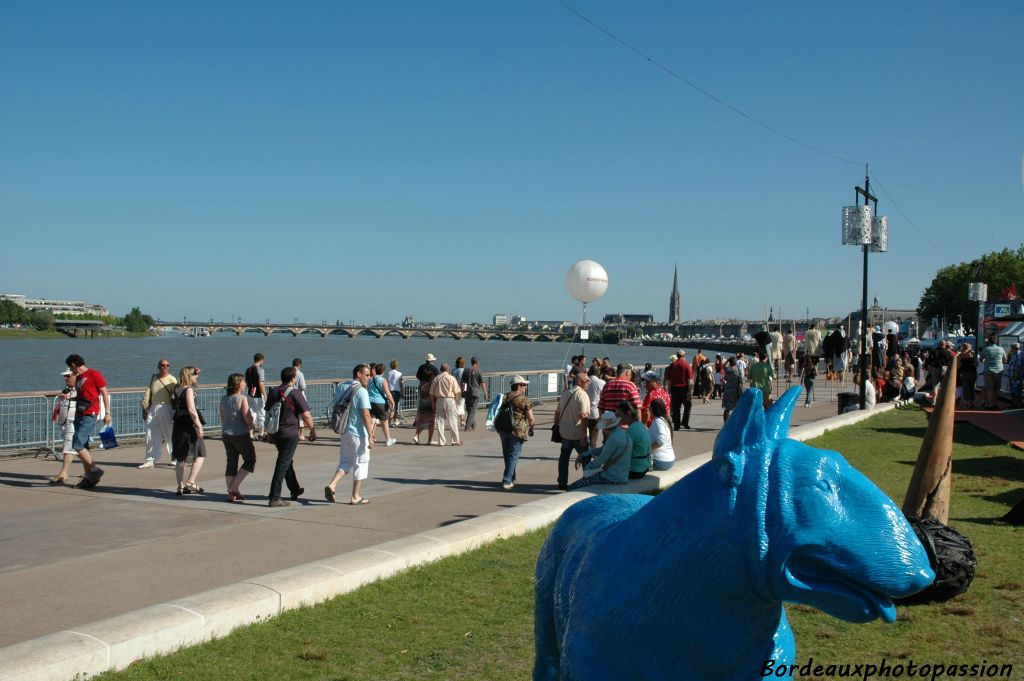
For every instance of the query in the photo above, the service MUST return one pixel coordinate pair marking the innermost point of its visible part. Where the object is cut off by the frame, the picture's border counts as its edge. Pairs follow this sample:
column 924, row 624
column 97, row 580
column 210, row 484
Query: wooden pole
column 928, row 492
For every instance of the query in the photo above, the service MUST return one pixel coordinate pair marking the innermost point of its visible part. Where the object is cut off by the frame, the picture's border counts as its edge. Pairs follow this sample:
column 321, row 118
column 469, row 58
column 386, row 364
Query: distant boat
column 197, row 332
column 631, row 342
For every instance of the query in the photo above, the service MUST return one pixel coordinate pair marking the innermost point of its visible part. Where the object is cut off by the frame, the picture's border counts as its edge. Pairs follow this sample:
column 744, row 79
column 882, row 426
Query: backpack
column 272, row 420
column 338, row 412
column 504, row 422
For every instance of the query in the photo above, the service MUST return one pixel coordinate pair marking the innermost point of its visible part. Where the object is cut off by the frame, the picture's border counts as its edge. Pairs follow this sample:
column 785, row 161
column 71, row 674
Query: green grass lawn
column 471, row 617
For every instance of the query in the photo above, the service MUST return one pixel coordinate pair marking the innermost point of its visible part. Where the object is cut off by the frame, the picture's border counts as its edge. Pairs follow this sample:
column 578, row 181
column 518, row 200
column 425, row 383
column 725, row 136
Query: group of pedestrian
column 599, row 400
column 636, row 433
column 82, row 402
column 448, row 400
column 175, row 422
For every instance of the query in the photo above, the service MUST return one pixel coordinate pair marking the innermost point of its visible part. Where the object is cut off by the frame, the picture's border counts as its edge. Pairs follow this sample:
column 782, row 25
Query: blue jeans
column 83, row 430
column 511, row 448
column 565, row 455
column 809, row 388
column 286, row 447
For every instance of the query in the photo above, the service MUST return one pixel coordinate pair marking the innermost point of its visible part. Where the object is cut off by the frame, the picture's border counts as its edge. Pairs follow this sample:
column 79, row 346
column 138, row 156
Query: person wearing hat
column 64, row 416
column 609, row 463
column 425, row 407
column 654, row 392
column 522, row 429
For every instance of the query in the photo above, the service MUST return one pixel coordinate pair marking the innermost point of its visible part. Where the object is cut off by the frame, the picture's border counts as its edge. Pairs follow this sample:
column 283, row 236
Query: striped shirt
column 616, row 390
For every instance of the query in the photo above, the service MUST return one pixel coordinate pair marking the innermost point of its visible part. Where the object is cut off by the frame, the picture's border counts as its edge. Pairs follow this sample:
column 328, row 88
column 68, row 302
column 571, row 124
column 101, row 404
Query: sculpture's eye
column 826, row 486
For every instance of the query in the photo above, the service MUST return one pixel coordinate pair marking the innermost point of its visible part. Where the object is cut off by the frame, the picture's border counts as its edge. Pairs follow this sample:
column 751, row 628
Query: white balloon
column 586, row 281
column 891, row 326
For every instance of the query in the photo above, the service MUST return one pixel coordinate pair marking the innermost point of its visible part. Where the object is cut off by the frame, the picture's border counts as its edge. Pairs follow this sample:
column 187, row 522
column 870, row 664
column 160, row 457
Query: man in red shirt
column 91, row 387
column 679, row 379
column 619, row 388
column 654, row 392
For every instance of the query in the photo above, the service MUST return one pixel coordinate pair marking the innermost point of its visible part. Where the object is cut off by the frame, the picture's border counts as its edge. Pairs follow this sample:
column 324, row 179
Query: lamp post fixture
column 863, row 227
column 978, row 292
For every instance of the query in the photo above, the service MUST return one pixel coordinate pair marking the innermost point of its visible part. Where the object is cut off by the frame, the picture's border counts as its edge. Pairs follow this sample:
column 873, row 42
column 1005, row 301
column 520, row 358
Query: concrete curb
column 116, row 642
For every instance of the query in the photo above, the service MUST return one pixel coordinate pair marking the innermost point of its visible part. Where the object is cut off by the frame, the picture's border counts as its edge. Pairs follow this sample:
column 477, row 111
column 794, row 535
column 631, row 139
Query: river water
column 35, row 364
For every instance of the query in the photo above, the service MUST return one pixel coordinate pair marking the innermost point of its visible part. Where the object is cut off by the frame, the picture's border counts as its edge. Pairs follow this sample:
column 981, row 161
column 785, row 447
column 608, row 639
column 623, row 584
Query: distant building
column 673, row 300
column 517, row 319
column 629, row 319
column 878, row 315
column 501, row 320
column 77, row 307
column 549, row 325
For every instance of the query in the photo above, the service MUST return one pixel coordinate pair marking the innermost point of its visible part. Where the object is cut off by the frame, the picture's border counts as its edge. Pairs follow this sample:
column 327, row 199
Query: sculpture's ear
column 777, row 416
column 744, row 428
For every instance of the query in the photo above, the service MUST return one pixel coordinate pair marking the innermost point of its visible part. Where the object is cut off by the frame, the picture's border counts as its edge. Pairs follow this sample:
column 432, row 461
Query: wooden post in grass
column 928, row 492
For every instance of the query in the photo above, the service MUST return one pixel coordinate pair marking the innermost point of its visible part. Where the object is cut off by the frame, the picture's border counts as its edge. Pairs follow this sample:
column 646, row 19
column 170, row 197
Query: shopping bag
column 107, row 437
column 492, row 411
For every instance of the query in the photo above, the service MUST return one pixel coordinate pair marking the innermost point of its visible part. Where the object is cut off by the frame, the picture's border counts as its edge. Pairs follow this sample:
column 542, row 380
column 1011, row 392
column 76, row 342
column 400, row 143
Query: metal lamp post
column 863, row 227
column 978, row 292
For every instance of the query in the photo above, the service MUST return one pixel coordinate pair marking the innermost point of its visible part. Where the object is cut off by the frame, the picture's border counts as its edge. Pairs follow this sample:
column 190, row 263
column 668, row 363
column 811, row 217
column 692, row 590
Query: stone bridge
column 482, row 333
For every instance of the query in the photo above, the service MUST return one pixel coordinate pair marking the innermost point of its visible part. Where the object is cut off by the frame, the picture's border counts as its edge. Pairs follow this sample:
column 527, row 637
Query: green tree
column 946, row 296
column 12, row 313
column 41, row 320
column 136, row 322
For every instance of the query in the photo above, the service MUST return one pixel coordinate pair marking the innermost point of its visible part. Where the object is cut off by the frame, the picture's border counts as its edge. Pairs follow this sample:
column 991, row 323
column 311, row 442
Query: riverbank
column 34, row 334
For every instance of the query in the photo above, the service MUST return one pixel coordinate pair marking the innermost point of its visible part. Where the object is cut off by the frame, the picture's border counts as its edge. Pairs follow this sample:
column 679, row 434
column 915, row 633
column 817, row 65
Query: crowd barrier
column 26, row 419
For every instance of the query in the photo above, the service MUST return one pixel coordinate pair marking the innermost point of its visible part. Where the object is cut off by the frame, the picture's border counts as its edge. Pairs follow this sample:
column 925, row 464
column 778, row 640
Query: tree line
column 43, row 320
column 946, row 296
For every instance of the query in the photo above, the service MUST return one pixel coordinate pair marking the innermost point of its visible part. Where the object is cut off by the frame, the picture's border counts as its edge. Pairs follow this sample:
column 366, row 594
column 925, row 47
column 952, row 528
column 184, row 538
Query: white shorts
column 354, row 456
column 69, row 438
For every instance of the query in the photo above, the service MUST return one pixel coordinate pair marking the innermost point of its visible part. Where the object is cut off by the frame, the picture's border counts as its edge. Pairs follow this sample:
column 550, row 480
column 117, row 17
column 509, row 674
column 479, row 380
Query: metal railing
column 26, row 418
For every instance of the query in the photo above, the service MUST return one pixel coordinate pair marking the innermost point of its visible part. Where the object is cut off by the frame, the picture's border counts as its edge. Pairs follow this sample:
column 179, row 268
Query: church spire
column 673, row 301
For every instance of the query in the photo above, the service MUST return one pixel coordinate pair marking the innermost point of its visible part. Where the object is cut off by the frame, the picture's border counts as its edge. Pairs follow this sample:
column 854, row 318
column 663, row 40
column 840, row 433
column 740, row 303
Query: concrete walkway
column 70, row 557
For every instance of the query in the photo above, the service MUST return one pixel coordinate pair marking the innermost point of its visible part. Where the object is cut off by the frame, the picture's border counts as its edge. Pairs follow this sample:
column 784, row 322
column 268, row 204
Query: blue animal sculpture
column 690, row 584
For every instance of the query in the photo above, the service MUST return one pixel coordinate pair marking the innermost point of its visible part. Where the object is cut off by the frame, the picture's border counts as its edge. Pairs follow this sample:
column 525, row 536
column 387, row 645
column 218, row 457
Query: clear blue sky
column 451, row 160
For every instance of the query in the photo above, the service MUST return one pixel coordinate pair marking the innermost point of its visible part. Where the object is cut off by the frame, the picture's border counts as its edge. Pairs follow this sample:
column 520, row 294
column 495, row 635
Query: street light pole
column 864, row 192
column 862, row 226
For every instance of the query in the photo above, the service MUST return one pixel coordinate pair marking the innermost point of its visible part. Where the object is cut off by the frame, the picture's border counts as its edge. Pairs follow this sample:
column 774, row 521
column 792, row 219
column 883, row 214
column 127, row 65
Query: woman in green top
column 640, row 459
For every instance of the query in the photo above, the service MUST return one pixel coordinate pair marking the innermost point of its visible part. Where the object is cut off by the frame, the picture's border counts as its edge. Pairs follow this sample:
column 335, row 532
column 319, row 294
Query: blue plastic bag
column 107, row 437
column 492, row 410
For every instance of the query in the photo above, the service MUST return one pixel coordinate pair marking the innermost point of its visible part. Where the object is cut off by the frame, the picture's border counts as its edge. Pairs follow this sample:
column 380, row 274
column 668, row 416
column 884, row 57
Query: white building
column 56, row 306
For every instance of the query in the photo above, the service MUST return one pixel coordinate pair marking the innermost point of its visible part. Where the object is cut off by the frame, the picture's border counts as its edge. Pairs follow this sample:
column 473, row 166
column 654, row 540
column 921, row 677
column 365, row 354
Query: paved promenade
column 69, row 557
